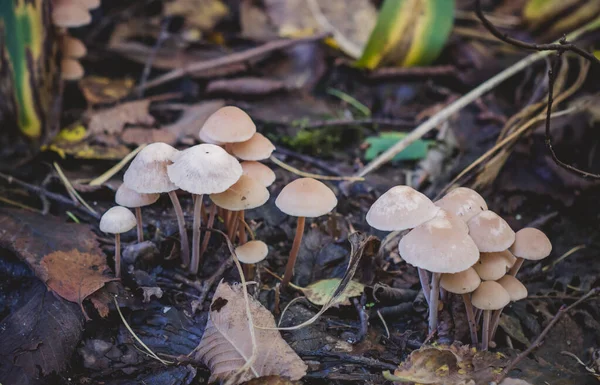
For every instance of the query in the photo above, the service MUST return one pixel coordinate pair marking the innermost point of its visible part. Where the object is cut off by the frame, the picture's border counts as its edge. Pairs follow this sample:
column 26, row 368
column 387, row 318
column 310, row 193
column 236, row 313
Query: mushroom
column 463, row 202
column 147, row 174
column 258, row 147
column 464, row 283
column 70, row 69
column 531, row 244
column 70, row 14
column 72, row 48
column 228, row 125
column 491, row 266
column 401, row 208
column 516, row 290
column 199, row 170
column 115, row 221
column 251, row 253
column 127, row 197
column 489, row 296
column 490, row 232
column 90, row 4
column 258, row 172
column 302, row 198
column 439, row 246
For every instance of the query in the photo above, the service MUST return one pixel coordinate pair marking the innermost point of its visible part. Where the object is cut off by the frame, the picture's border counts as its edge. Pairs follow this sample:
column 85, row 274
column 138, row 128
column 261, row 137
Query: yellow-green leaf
column 321, row 291
column 408, row 33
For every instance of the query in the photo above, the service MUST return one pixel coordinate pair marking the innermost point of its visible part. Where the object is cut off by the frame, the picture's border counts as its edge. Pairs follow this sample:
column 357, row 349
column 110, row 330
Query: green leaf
column 378, row 144
column 321, row 291
column 408, row 33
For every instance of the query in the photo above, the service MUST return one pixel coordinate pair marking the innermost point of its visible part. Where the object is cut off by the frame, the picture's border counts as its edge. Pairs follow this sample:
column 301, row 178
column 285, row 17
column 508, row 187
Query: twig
column 538, row 341
column 397, row 72
column 301, row 173
column 116, row 168
column 227, row 60
column 357, row 122
column 71, row 190
column 162, row 36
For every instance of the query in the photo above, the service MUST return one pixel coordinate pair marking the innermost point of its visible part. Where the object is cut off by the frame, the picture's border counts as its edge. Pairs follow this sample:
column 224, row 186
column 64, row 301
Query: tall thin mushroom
column 117, row 220
column 127, row 197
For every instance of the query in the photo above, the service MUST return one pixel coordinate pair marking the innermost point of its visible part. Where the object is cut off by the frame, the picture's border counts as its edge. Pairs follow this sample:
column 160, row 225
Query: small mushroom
column 71, row 69
column 463, row 202
column 252, row 252
column 491, row 266
column 490, row 232
column 127, row 197
column 531, row 244
column 516, row 290
column 302, row 198
column 464, row 283
column 90, row 4
column 117, row 220
column 258, row 172
column 70, row 14
column 228, row 125
column 258, row 147
column 72, row 48
column 489, row 296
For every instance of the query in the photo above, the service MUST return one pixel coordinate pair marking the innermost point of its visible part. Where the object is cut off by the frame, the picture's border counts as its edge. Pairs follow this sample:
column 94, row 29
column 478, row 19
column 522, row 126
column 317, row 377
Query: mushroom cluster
column 469, row 251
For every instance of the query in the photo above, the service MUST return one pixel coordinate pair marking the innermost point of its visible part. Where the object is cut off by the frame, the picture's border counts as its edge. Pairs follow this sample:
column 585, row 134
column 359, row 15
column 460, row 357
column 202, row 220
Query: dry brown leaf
column 193, row 118
column 99, row 89
column 113, row 120
column 140, row 135
column 201, row 14
column 271, row 380
column 226, row 344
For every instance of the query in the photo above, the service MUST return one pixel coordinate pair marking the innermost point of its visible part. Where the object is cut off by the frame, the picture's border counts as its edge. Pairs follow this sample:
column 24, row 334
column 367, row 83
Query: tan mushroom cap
column 256, row 148
column 490, row 232
column 400, row 208
column 72, row 47
column 463, row 202
column 490, row 295
column 147, row 173
column 454, row 219
column 514, row 381
column 258, row 172
column 491, row 266
column 90, row 4
column 507, row 255
column 516, row 290
column 229, row 125
column 70, row 14
column 252, row 252
column 531, row 244
column 117, row 220
column 205, row 139
column 204, row 169
column 127, row 197
column 462, row 282
column 245, row 194
column 71, row 69
column 439, row 246
column 306, row 197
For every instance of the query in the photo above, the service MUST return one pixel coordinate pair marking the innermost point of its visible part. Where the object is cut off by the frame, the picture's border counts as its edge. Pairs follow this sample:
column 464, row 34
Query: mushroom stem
column 478, row 314
column 183, row 238
column 140, row 226
column 433, row 302
column 424, row 278
column 485, row 332
column 232, row 226
column 516, row 267
column 243, row 235
column 118, row 255
column 209, row 224
column 195, row 264
column 471, row 318
column 494, row 323
column 289, row 268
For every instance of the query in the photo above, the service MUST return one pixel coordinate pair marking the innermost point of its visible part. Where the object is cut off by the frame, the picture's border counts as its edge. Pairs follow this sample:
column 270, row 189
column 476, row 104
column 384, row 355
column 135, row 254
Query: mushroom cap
column 507, row 255
column 205, row 139
column 72, row 47
column 514, row 381
column 490, row 232
column 252, row 252
column 256, row 148
column 454, row 219
column 70, row 14
column 306, row 197
column 147, row 173
column 462, row 282
column 229, row 125
column 490, row 295
column 531, row 244
column 245, row 194
column 204, row 169
column 90, row 4
column 127, row 197
column 400, row 208
column 439, row 246
column 491, row 266
column 258, row 172
column 117, row 220
column 516, row 290
column 71, row 69
column 463, row 202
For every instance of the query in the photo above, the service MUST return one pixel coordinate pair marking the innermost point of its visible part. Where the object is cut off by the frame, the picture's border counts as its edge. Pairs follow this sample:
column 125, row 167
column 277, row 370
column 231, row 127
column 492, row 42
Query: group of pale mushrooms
column 469, row 251
column 212, row 168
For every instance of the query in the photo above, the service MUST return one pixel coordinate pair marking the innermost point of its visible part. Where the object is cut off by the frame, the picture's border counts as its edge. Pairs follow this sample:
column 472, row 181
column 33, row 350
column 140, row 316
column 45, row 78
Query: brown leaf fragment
column 226, row 345
column 140, row 135
column 271, row 380
column 112, row 120
column 192, row 118
column 100, row 90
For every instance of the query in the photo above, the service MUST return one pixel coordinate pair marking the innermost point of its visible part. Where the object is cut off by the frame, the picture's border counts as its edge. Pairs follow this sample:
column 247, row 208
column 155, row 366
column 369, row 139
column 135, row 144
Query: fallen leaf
column 140, row 135
column 512, row 326
column 100, row 90
column 380, row 143
column 320, row 292
column 113, row 120
column 271, row 380
column 200, row 14
column 514, row 381
column 226, row 344
column 193, row 118
column 149, row 291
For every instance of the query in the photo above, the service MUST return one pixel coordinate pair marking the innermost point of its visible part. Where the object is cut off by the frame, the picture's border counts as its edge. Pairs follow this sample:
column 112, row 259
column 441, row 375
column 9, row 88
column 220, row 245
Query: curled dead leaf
column 113, row 120
column 320, row 292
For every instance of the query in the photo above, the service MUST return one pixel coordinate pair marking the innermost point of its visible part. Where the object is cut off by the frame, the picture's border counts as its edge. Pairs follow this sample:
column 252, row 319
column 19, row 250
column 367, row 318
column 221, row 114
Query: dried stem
column 183, row 238
column 289, row 268
column 139, row 224
column 118, row 255
column 195, row 264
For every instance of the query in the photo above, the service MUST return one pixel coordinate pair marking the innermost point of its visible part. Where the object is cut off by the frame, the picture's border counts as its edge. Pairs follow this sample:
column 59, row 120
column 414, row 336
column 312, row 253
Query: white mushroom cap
column 204, row 169
column 90, row 4
column 463, row 202
column 252, row 252
column 516, row 290
column 130, row 198
column 258, row 172
column 306, row 197
column 454, row 219
column 117, row 220
column 506, row 254
column 71, row 69
column 439, row 246
column 491, row 266
column 462, row 282
column 205, row 139
column 147, row 173
column 69, row 14
column 531, row 244
column 245, row 194
column 229, row 125
column 256, row 148
column 490, row 295
column 72, row 47
column 400, row 208
column 490, row 232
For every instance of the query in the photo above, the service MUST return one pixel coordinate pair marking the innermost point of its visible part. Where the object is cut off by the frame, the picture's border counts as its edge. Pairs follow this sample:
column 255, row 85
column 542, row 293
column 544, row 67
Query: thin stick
column 304, row 174
column 289, row 268
column 471, row 318
column 117, row 167
column 118, row 255
column 71, row 190
column 434, row 300
column 538, row 341
column 183, row 238
column 424, row 278
column 195, row 263
column 139, row 224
